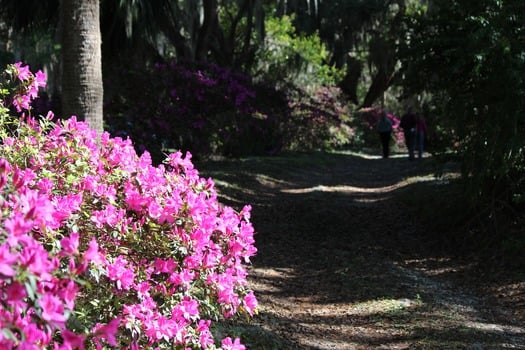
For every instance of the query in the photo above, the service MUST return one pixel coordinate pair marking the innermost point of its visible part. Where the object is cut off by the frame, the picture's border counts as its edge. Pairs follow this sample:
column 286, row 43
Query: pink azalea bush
column 318, row 120
column 100, row 249
column 369, row 117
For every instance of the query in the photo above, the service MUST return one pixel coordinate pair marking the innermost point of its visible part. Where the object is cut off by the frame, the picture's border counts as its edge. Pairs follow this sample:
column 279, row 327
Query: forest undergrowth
column 359, row 252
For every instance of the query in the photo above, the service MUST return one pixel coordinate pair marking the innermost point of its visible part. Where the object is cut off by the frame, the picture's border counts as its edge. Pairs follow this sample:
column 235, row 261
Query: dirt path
column 341, row 265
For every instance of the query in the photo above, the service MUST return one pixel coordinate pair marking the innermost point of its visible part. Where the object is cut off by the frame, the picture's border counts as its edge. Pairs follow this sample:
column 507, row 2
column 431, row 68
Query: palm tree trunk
column 82, row 89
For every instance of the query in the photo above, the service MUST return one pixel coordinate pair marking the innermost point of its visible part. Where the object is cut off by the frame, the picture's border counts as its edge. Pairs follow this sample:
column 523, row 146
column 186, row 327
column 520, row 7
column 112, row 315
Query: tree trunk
column 350, row 82
column 380, row 84
column 211, row 10
column 82, row 89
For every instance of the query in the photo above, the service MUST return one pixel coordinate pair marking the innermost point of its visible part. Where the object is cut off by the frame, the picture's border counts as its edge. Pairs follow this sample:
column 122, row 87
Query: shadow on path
column 342, row 263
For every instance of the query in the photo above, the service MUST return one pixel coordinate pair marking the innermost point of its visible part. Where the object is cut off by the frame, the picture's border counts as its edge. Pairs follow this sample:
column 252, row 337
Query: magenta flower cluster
column 100, row 249
column 21, row 86
column 198, row 107
column 370, row 116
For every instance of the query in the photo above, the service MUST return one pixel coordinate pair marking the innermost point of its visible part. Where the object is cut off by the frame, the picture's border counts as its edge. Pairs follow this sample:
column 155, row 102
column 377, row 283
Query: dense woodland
column 252, row 77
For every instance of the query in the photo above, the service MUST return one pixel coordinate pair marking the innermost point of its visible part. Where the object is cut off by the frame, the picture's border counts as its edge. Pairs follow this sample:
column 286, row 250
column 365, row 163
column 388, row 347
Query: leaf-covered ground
column 352, row 255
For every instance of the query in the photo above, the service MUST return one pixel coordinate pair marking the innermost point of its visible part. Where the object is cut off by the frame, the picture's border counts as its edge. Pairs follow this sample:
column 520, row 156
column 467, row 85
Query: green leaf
column 31, row 288
column 8, row 334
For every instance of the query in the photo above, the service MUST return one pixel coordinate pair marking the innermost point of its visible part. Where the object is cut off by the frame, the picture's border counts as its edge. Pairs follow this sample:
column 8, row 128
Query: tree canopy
column 470, row 57
column 460, row 62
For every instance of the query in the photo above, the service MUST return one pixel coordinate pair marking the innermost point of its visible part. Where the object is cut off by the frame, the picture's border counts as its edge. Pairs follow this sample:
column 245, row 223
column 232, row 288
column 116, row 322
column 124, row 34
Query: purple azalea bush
column 200, row 107
column 211, row 110
column 100, row 249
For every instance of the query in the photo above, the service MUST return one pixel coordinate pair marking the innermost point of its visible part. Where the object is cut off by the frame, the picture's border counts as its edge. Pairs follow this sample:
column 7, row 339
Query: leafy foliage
column 321, row 120
column 292, row 58
column 471, row 57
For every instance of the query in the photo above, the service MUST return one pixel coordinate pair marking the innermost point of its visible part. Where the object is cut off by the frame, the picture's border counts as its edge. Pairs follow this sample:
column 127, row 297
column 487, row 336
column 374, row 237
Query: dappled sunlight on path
column 353, row 189
column 342, row 265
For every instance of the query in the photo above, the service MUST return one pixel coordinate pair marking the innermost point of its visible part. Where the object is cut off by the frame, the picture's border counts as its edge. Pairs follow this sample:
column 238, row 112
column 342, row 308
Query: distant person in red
column 384, row 128
column 421, row 131
column 408, row 124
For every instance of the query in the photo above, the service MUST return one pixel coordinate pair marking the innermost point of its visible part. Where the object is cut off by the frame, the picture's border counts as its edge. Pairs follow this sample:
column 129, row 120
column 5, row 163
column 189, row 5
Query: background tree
column 324, row 38
column 358, row 34
column 31, row 36
column 75, row 71
column 469, row 58
column 82, row 89
column 223, row 31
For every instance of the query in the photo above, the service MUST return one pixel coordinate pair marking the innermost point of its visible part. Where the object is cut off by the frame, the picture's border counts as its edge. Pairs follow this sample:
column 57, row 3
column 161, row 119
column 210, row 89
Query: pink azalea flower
column 45, row 185
column 69, row 293
column 170, row 209
column 143, row 289
column 186, row 310
column 16, row 293
column 228, row 344
column 70, row 244
column 37, row 260
column 52, row 309
column 164, row 265
column 41, row 79
column 106, row 191
column 72, row 341
column 33, row 334
column 119, row 271
column 7, row 261
column 92, row 254
column 99, row 218
column 21, row 102
column 134, row 199
column 27, row 345
column 24, row 73
column 16, row 227
column 183, row 278
column 108, row 332
column 160, row 327
column 205, row 336
column 64, row 206
column 32, row 91
column 245, row 212
column 193, row 261
column 154, row 210
column 250, row 303
column 89, row 183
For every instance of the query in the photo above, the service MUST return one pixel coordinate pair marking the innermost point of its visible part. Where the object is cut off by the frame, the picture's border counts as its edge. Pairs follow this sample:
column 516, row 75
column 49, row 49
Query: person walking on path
column 421, row 131
column 408, row 124
column 384, row 128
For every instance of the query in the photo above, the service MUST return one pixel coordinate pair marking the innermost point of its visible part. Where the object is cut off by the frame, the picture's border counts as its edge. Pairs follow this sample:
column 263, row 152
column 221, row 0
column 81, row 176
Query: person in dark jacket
column 421, row 132
column 384, row 128
column 408, row 124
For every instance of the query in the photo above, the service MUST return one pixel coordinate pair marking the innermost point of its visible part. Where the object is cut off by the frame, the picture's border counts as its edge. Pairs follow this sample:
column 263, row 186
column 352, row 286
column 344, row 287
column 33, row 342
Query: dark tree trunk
column 209, row 25
column 380, row 84
column 351, row 80
column 82, row 89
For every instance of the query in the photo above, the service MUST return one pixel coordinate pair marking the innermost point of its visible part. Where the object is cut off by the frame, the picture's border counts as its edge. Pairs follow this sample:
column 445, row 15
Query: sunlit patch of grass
column 385, row 306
